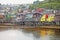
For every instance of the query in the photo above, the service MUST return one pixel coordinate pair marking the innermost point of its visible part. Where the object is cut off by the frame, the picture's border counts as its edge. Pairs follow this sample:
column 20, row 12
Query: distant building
column 36, row 2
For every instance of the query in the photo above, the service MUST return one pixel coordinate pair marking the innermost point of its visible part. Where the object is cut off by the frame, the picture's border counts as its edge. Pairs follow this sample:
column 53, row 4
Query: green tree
column 52, row 1
column 52, row 4
column 48, row 4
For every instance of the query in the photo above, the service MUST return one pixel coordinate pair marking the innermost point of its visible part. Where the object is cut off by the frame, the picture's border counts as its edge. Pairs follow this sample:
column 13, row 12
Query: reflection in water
column 29, row 35
column 46, row 32
column 14, row 35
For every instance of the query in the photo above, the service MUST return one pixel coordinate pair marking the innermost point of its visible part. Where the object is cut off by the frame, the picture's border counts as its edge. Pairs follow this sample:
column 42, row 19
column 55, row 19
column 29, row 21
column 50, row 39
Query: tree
column 52, row 1
column 48, row 4
column 52, row 4
column 35, row 4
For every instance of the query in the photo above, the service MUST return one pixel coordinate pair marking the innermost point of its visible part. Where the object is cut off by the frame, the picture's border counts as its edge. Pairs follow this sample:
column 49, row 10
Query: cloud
column 17, row 1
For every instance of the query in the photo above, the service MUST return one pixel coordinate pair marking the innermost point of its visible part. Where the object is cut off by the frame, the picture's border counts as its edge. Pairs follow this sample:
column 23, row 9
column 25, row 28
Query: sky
column 17, row 1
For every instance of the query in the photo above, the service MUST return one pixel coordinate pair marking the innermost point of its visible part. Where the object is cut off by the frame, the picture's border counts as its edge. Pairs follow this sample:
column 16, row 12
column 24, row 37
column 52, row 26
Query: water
column 17, row 34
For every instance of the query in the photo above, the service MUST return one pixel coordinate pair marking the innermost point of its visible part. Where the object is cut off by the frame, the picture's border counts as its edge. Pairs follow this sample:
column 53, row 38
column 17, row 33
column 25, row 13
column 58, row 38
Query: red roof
column 39, row 9
column 46, row 16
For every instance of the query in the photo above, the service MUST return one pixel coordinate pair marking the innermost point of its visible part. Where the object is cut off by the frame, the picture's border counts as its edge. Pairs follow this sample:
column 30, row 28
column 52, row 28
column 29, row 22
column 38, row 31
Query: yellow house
column 49, row 19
